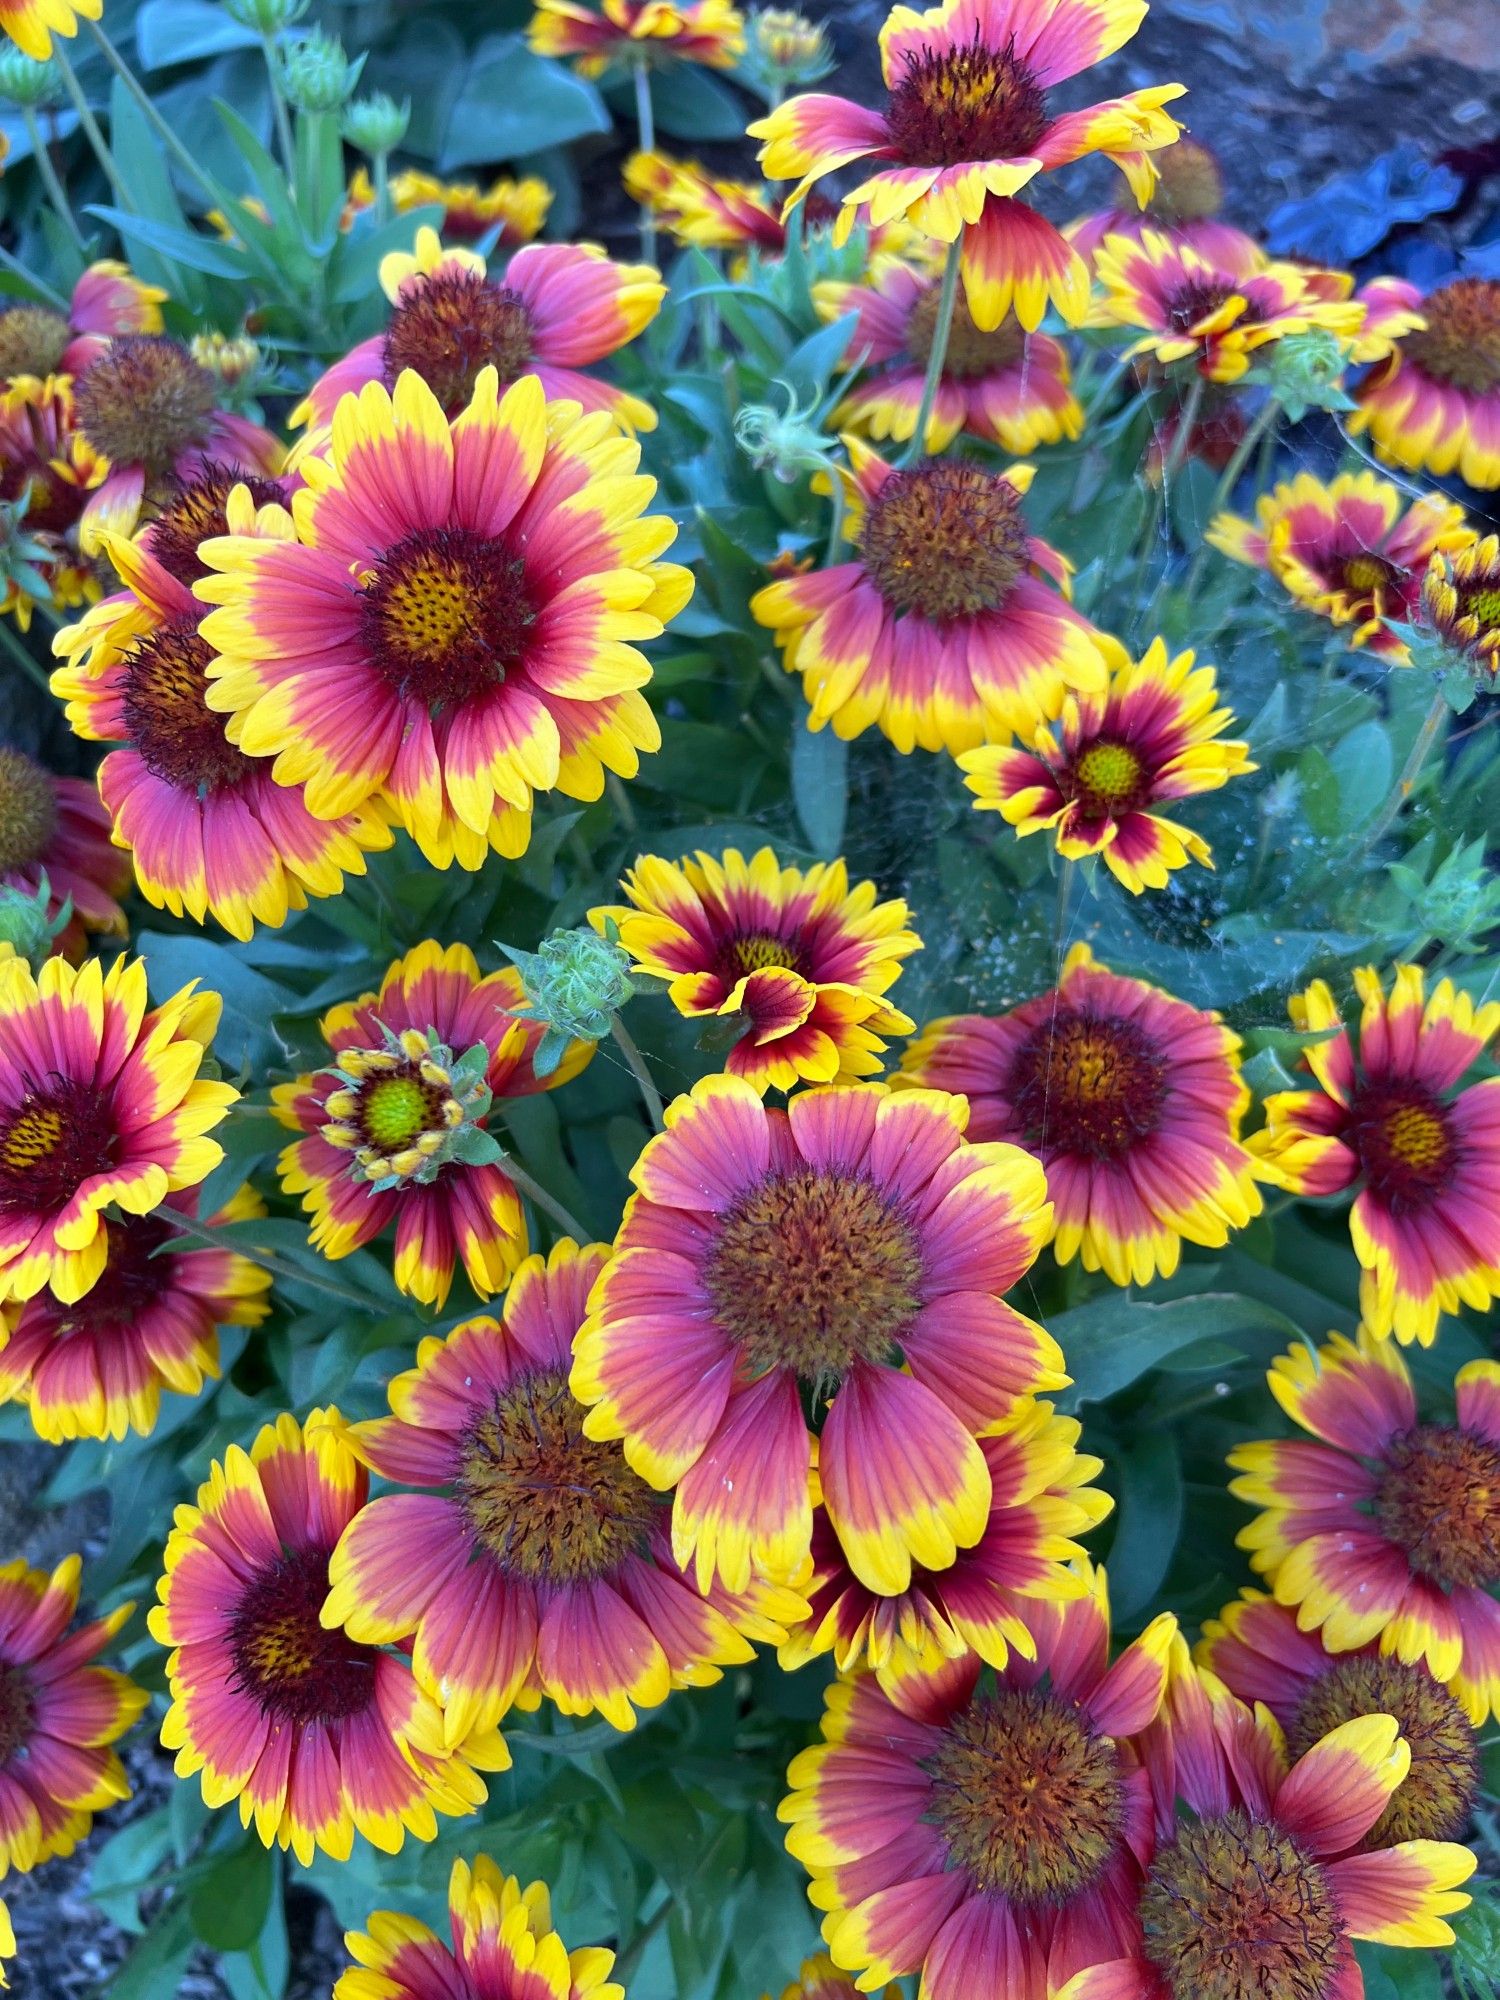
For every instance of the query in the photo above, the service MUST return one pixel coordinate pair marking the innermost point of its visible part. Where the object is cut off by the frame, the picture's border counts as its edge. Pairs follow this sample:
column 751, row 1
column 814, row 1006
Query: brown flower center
column 967, row 103
column 33, row 341
column 53, row 1139
column 284, row 1659
column 1461, row 341
column 1234, row 1909
column 812, row 1272
column 17, row 1710
column 547, row 1502
column 28, row 810
column 1027, row 1798
column 1082, row 1083
column 179, row 737
column 445, row 615
column 145, row 401
column 1402, row 1137
column 134, row 1277
column 1434, row 1800
column 971, row 354
column 1190, row 187
column 945, row 540
column 193, row 510
column 1439, row 1501
column 1193, row 300
column 1107, row 779
column 451, row 325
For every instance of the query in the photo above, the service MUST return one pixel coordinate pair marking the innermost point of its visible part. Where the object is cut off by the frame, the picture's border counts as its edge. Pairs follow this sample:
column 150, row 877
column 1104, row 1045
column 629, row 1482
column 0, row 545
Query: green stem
column 619, row 798
column 1171, row 465
column 1411, row 770
column 57, row 194
column 938, row 354
column 645, row 126
column 650, row 1095
column 218, row 197
column 268, row 1261
column 89, row 125
column 538, row 1196
column 381, row 162
column 1067, row 868
column 11, row 641
column 1223, row 492
column 283, row 118
column 630, row 1958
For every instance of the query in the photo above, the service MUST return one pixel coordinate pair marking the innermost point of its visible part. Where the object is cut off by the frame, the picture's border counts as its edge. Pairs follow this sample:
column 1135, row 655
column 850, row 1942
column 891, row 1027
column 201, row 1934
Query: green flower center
column 1108, row 777
column 396, row 1109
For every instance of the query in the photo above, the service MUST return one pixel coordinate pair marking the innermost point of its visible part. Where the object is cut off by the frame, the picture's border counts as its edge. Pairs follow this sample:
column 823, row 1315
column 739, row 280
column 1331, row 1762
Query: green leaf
column 179, row 31
column 514, row 102
column 820, row 786
column 691, row 103
column 230, row 1903
column 1364, row 768
column 123, row 1866
column 158, row 1962
column 807, row 368
column 1148, row 1471
column 1321, row 796
column 184, row 246
column 1113, row 1340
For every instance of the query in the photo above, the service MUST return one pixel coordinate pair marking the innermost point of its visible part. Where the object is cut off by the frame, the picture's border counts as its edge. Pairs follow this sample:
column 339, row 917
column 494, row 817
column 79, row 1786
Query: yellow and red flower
column 96, row 1368
column 695, row 205
column 820, row 1979
column 1263, row 1888
column 533, row 1562
column 1432, row 403
column 101, row 1101
column 62, row 1713
column 767, row 1253
column 1184, row 206
column 317, row 1738
column 31, row 24
column 1387, row 1114
column 1256, row 1647
column 107, row 300
column 452, row 628
column 1215, row 314
column 209, row 831
column 941, row 633
column 710, row 32
column 1131, row 1100
column 512, row 211
column 394, row 1129
column 1347, row 551
column 558, row 310
column 55, row 827
column 1040, row 1500
column 1387, row 1528
column 799, row 956
column 1461, row 602
column 46, row 458
column 148, row 408
column 966, row 126
column 1094, row 776
column 1010, row 387
column 504, row 1948
column 7, row 1942
column 987, row 1830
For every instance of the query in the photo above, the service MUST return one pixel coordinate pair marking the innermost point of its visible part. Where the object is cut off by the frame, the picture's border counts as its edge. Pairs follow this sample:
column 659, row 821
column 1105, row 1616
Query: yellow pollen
column 1416, row 1136
column 427, row 609
column 280, row 1651
column 1112, row 770
column 756, row 954
column 395, row 1110
column 1366, row 572
column 31, row 1137
column 1484, row 605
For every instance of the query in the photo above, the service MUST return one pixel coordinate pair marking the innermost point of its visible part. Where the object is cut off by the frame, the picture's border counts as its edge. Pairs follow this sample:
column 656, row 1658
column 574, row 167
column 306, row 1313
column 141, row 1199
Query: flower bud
column 31, row 85
column 376, row 124
column 25, row 928
column 1306, row 372
column 234, row 359
column 784, row 50
column 785, row 443
column 576, row 981
column 266, row 17
column 316, row 74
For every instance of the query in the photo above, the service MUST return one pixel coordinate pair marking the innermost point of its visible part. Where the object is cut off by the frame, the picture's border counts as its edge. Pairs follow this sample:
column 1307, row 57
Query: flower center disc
column 28, row 810
column 194, row 510
column 1107, row 779
column 445, row 615
column 1433, row 1801
column 1235, row 1910
column 33, row 341
column 756, row 953
column 1461, row 341
column 1439, row 1500
column 284, row 1659
column 1192, row 303
column 968, row 103
column 1364, row 575
column 17, row 1710
column 145, row 401
column 1401, row 1136
column 547, row 1502
column 451, row 326
column 50, row 1142
column 1027, row 1799
column 1084, row 1084
column 179, row 737
column 971, row 354
column 812, row 1272
column 1481, row 603
column 1189, row 186
column 945, row 540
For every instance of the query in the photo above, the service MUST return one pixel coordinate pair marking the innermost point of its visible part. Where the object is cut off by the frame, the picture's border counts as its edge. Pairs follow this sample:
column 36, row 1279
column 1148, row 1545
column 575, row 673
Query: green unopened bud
column 1306, row 372
column 375, row 124
column 316, row 74
column 784, row 50
column 785, row 443
column 32, row 85
column 576, row 982
column 25, row 927
column 266, row 17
